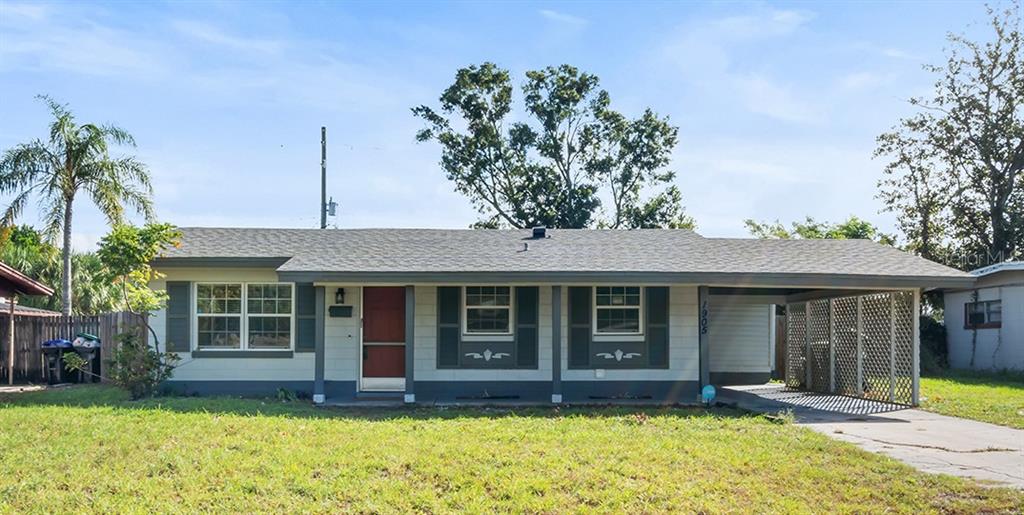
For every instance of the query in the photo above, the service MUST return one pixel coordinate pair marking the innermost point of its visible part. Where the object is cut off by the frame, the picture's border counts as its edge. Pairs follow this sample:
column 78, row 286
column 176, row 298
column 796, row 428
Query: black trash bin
column 53, row 351
column 88, row 347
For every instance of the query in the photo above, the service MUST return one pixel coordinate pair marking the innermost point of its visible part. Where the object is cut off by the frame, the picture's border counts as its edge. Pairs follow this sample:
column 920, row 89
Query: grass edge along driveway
column 996, row 398
column 87, row 448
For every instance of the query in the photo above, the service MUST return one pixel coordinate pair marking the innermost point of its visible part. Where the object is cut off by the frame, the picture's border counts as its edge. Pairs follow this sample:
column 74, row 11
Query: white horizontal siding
column 739, row 337
column 426, row 345
column 342, row 335
column 683, row 353
column 297, row 368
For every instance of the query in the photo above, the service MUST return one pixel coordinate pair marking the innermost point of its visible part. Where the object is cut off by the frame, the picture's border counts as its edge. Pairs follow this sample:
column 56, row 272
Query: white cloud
column 208, row 33
column 763, row 23
column 703, row 53
column 726, row 180
column 79, row 46
column 859, row 81
column 763, row 96
column 34, row 12
column 568, row 19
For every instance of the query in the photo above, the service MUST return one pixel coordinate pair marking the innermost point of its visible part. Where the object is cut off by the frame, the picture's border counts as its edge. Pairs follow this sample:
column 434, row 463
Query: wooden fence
column 31, row 331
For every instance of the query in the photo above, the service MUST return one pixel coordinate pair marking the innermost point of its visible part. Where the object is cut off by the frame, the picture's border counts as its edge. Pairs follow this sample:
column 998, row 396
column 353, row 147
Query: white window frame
column 511, row 310
column 640, row 307
column 987, row 311
column 244, row 315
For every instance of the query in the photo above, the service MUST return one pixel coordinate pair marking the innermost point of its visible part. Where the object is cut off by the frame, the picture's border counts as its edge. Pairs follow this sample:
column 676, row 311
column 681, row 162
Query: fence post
column 831, row 346
column 892, row 347
column 808, row 374
column 860, row 345
column 915, row 343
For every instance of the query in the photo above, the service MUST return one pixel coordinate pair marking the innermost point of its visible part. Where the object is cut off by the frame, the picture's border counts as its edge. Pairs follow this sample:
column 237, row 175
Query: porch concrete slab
column 930, row 442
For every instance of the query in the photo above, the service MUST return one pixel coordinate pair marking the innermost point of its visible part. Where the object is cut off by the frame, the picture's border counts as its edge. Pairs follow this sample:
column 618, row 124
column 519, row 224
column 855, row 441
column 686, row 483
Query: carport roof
column 567, row 254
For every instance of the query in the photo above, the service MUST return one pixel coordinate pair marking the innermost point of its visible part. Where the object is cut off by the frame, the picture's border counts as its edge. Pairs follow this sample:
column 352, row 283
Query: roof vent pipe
column 540, row 232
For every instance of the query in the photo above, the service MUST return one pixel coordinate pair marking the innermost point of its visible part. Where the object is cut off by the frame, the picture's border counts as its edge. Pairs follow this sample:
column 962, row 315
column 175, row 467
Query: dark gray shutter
column 305, row 317
column 579, row 326
column 179, row 316
column 449, row 329
column 527, row 313
column 657, row 326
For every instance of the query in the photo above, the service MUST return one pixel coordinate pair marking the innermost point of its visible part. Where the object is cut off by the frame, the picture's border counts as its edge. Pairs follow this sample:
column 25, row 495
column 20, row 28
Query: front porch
column 706, row 342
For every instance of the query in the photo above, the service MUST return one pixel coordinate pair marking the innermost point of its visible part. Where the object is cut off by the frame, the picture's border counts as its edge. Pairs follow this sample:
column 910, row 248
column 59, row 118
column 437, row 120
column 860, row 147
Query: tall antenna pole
column 323, row 177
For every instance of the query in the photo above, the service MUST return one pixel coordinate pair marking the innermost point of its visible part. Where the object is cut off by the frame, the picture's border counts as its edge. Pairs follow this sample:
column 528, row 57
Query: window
column 617, row 309
column 269, row 316
column 488, row 309
column 983, row 315
column 219, row 311
column 261, row 312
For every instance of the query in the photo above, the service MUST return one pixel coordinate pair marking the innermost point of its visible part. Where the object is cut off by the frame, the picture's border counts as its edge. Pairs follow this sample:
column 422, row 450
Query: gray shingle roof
column 565, row 250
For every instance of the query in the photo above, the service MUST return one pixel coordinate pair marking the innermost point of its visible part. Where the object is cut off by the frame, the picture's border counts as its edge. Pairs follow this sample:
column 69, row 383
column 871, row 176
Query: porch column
column 556, row 344
column 318, row 359
column 410, row 347
column 703, row 307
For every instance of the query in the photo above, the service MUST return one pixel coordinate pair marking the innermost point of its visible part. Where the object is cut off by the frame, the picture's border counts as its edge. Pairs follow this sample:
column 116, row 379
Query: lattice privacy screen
column 861, row 346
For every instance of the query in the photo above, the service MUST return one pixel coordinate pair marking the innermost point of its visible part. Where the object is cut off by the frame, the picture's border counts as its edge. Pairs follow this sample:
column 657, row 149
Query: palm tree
column 75, row 160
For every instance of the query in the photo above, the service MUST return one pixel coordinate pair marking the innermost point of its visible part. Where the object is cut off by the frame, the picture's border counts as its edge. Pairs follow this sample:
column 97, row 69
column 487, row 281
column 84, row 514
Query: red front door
column 384, row 332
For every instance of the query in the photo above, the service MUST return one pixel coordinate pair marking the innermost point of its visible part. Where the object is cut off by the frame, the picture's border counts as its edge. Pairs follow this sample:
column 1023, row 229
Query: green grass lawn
column 990, row 397
column 87, row 448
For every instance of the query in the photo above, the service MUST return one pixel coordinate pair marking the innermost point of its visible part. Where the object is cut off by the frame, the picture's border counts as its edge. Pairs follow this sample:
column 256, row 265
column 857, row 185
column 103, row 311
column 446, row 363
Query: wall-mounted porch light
column 339, row 296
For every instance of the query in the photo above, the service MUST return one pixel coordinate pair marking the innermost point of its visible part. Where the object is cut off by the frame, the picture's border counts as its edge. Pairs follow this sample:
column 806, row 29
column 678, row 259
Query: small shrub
column 286, row 395
column 934, row 355
column 138, row 368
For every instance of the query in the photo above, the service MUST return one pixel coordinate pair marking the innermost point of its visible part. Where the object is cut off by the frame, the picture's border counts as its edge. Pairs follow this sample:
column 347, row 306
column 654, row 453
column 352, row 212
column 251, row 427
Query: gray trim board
column 239, row 388
column 335, row 390
column 660, row 391
column 556, row 340
column 703, row 309
column 449, row 391
column 711, row 278
column 410, row 340
column 219, row 262
column 320, row 343
column 228, row 354
column 735, row 378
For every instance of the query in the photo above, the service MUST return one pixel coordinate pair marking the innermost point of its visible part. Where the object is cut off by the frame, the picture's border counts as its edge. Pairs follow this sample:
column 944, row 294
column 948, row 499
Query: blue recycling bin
column 53, row 352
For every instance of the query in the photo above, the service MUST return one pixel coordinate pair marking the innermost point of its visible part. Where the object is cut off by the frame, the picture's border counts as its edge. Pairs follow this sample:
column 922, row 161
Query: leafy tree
column 579, row 164
column 852, row 229
column 956, row 172
column 126, row 253
column 75, row 160
column 91, row 291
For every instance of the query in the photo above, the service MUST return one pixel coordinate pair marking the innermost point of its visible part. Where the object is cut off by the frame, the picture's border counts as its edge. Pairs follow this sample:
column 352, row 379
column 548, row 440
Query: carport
column 841, row 339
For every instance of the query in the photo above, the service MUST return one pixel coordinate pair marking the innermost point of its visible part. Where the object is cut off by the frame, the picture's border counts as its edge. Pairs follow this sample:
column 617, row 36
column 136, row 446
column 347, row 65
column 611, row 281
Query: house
column 543, row 315
column 12, row 284
column 985, row 322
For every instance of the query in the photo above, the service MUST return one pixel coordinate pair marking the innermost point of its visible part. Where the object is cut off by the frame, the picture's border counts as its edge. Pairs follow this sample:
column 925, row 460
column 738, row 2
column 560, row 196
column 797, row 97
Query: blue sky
column 778, row 104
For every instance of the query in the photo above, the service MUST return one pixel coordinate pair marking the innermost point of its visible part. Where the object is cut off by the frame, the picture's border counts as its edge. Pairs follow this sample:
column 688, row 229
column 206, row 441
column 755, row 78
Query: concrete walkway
column 927, row 441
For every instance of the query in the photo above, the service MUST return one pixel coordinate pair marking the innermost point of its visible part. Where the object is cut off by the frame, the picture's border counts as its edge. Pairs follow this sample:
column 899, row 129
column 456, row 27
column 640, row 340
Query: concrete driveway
column 927, row 441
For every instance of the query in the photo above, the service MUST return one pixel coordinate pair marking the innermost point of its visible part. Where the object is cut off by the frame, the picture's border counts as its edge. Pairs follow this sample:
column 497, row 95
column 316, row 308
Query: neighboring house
column 12, row 284
column 985, row 323
column 442, row 315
